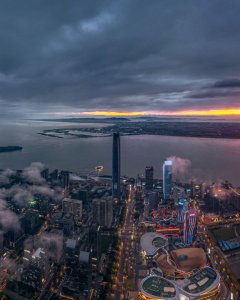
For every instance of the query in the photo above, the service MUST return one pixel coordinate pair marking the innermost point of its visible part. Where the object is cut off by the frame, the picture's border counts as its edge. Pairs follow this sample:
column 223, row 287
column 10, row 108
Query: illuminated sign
column 192, row 215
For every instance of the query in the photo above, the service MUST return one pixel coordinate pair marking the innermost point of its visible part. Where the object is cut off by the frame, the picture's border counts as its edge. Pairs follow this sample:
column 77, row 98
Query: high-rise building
column 182, row 208
column 190, row 226
column 116, row 165
column 167, row 179
column 67, row 223
column 64, row 177
column 149, row 177
column 103, row 211
column 74, row 207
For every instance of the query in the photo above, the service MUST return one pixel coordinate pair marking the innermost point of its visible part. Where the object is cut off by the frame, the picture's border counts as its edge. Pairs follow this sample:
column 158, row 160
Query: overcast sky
column 122, row 55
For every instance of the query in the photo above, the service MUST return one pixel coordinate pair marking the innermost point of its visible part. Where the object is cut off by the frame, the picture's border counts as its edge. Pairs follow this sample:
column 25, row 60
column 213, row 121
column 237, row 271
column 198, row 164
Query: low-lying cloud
column 181, row 167
column 33, row 173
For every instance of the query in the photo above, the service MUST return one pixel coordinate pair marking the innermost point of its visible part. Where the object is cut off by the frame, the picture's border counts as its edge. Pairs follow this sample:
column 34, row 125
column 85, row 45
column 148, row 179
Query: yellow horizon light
column 114, row 113
column 202, row 113
column 211, row 112
column 193, row 113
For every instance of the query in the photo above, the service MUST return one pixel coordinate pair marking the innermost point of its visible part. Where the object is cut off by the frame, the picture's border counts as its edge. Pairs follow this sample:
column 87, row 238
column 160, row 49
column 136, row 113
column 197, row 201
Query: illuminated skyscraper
column 167, row 179
column 149, row 177
column 182, row 208
column 116, row 165
column 190, row 226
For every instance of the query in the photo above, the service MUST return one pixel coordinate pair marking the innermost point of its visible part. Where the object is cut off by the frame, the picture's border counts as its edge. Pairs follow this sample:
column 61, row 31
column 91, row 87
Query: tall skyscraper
column 116, row 165
column 149, row 177
column 64, row 177
column 190, row 226
column 182, row 208
column 167, row 179
column 103, row 211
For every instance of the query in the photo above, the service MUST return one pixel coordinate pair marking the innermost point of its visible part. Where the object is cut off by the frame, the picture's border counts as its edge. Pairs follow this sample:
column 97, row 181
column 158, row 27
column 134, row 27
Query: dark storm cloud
column 228, row 83
column 127, row 55
column 215, row 93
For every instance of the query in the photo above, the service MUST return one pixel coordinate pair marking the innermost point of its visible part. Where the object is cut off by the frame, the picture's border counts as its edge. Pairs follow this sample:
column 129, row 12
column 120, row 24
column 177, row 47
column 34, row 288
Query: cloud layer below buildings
column 22, row 194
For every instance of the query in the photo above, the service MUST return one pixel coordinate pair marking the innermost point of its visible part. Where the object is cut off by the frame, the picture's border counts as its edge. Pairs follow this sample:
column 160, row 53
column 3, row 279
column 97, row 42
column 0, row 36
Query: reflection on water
column 211, row 158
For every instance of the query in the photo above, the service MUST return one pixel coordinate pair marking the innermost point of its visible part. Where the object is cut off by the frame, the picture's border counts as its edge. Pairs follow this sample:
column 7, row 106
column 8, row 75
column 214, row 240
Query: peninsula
column 10, row 148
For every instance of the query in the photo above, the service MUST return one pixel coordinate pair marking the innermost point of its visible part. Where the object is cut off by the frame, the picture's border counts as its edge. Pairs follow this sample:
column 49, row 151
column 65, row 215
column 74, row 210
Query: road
column 125, row 237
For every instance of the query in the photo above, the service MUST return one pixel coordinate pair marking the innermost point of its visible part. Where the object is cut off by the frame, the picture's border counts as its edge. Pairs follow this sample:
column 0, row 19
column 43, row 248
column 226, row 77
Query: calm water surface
column 211, row 158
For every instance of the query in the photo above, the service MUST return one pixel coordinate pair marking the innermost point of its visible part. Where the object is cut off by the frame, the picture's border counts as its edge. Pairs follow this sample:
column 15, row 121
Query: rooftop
column 71, row 243
column 84, row 256
column 202, row 281
column 187, row 259
column 152, row 241
column 168, row 163
column 155, row 286
column 181, row 261
column 38, row 253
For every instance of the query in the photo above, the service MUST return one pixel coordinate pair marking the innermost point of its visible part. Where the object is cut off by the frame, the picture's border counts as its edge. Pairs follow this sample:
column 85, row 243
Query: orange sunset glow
column 115, row 113
column 194, row 113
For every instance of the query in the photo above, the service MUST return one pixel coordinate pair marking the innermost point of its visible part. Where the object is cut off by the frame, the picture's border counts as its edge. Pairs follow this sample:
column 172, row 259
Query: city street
column 125, row 244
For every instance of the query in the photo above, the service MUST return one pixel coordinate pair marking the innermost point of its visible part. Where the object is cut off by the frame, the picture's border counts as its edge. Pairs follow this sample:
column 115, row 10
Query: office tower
column 190, row 226
column 67, row 223
column 182, row 208
column 149, row 177
column 167, row 179
column 73, row 207
column 103, row 211
column 152, row 197
column 116, row 165
column 64, row 177
column 109, row 212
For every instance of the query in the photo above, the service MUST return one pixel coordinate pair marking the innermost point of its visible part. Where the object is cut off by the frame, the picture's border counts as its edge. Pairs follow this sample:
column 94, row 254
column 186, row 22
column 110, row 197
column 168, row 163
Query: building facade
column 149, row 177
column 64, row 178
column 182, row 208
column 103, row 211
column 190, row 226
column 167, row 179
column 116, row 165
column 73, row 207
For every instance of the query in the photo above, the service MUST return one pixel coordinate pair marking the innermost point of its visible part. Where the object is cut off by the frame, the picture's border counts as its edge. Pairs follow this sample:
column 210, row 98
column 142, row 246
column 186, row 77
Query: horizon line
column 234, row 112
